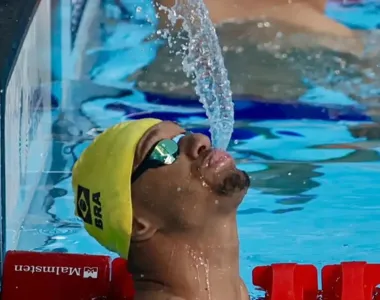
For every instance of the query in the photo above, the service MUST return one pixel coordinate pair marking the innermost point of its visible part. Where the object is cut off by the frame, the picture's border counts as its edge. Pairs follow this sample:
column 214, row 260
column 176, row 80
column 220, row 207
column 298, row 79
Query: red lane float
column 59, row 276
column 287, row 281
column 121, row 281
column 46, row 276
column 353, row 280
column 347, row 281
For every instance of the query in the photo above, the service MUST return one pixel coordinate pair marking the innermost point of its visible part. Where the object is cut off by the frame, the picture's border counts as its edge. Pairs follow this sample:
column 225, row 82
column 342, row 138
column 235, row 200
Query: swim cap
column 101, row 182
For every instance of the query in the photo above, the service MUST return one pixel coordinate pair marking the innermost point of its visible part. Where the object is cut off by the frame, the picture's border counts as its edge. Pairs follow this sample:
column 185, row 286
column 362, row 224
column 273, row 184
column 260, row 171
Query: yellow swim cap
column 102, row 184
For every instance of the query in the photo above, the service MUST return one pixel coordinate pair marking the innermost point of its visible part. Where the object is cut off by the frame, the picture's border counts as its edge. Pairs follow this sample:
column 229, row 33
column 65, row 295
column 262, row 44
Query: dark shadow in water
column 57, row 192
column 296, row 200
column 289, row 133
column 368, row 131
column 286, row 179
column 286, row 210
column 251, row 211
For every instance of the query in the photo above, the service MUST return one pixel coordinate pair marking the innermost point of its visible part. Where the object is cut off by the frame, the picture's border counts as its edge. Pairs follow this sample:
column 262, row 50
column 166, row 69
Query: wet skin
column 184, row 239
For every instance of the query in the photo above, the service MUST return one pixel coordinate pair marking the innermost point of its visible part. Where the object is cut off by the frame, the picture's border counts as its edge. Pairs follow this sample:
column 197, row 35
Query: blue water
column 312, row 199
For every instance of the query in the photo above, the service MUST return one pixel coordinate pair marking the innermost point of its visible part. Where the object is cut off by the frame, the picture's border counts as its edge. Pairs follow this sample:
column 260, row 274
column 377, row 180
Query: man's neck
column 201, row 265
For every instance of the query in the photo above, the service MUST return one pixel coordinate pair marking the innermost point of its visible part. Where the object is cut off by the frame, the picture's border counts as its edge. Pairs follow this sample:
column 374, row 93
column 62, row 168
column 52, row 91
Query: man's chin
column 233, row 183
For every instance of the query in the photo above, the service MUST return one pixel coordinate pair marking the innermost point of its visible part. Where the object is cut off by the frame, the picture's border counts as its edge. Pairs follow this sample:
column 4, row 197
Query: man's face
column 199, row 185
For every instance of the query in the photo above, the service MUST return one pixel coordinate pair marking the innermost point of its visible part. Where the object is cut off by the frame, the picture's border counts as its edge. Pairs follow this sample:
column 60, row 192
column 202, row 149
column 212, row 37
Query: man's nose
column 194, row 144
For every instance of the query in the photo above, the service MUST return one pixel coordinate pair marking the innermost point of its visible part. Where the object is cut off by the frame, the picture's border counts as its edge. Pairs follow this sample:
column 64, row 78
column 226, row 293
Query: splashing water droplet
column 203, row 62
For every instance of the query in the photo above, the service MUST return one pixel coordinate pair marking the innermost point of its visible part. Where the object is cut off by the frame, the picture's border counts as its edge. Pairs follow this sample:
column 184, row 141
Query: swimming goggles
column 165, row 152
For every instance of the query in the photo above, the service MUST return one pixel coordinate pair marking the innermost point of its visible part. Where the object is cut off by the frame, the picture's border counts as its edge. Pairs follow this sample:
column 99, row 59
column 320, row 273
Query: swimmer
column 165, row 200
column 305, row 15
column 273, row 50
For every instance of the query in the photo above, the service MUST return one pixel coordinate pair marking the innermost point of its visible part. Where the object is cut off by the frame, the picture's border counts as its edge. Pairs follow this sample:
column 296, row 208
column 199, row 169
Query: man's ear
column 142, row 229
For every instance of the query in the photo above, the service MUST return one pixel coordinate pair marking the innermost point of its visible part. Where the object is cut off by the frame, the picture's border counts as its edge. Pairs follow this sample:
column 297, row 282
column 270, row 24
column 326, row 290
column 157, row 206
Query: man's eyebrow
column 176, row 124
column 179, row 126
column 148, row 138
column 154, row 131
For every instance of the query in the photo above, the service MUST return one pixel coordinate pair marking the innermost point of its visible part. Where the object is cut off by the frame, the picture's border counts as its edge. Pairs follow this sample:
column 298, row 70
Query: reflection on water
column 278, row 68
column 265, row 59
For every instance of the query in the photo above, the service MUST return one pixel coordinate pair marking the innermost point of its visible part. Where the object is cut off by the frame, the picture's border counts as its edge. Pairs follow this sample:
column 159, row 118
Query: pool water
column 313, row 195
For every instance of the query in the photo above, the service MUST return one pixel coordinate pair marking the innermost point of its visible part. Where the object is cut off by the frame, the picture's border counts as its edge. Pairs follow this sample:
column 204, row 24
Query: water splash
column 204, row 63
